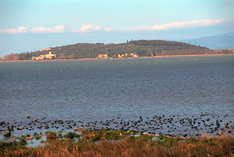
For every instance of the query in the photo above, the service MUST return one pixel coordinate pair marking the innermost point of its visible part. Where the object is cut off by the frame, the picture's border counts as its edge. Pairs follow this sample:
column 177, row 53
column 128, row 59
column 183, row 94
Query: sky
column 30, row 25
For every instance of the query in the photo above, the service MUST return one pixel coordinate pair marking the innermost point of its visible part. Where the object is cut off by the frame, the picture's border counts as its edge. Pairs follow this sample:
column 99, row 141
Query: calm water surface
column 128, row 88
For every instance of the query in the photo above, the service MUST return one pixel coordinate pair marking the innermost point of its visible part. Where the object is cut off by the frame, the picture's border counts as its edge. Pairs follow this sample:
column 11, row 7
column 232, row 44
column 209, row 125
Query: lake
column 117, row 93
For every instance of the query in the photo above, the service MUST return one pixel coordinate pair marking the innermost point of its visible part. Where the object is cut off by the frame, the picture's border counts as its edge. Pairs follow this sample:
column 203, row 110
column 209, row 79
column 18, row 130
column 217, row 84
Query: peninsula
column 130, row 49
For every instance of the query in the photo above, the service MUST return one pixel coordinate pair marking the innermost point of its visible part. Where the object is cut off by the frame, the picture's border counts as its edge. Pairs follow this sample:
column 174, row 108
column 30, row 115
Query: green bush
column 96, row 138
column 71, row 135
column 60, row 135
column 23, row 136
column 37, row 137
column 8, row 146
column 7, row 134
column 112, row 135
column 51, row 134
column 22, row 141
column 35, row 134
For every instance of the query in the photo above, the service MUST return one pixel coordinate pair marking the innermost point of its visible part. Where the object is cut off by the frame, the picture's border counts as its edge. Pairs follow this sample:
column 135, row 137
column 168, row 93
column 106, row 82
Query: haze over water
column 95, row 90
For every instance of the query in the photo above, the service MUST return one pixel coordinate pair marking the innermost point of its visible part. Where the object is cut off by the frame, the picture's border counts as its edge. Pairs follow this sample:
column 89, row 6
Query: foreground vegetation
column 121, row 143
column 140, row 47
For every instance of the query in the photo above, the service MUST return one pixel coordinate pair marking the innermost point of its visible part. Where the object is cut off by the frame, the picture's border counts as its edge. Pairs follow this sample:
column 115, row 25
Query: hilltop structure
column 46, row 49
column 46, row 56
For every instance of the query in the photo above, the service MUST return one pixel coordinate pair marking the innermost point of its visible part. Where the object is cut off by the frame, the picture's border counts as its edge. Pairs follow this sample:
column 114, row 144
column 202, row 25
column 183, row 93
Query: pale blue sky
column 110, row 19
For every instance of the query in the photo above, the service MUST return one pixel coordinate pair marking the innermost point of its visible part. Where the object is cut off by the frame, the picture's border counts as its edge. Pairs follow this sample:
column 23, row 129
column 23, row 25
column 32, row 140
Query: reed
column 143, row 145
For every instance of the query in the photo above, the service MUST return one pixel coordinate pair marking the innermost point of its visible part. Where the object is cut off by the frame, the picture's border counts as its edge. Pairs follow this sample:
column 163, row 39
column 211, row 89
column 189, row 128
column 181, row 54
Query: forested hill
column 139, row 47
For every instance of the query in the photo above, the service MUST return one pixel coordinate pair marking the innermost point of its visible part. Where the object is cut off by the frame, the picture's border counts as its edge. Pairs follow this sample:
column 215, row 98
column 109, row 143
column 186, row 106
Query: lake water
column 112, row 89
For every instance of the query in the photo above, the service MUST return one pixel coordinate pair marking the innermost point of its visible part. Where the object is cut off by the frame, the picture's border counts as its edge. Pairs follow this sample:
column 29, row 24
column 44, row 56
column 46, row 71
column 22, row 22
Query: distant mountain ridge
column 220, row 41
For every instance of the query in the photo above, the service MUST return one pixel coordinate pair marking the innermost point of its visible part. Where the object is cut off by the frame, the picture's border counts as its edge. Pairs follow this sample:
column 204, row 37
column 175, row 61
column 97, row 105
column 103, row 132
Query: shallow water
column 99, row 90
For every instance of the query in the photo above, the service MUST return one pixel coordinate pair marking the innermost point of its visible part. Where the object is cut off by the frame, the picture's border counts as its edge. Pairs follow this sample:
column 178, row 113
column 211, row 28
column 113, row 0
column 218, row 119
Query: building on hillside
column 134, row 54
column 120, row 56
column 46, row 49
column 46, row 56
column 103, row 56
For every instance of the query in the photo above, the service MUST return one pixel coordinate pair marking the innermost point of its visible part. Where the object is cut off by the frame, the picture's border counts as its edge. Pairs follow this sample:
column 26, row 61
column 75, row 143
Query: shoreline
column 105, row 142
column 198, row 55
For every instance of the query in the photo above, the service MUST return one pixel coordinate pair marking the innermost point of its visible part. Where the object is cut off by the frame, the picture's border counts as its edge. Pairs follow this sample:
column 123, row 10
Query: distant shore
column 119, row 58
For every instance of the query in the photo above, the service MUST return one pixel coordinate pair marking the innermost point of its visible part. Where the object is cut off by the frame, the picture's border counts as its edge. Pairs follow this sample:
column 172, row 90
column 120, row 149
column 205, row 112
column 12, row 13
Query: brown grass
column 129, row 146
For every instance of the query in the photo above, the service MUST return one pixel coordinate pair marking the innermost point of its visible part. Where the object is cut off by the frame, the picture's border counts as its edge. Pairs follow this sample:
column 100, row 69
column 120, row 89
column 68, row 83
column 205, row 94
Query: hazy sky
column 28, row 25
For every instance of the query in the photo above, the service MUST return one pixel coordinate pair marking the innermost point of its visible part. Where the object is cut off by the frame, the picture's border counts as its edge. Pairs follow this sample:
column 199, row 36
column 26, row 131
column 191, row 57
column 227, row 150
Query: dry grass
column 129, row 146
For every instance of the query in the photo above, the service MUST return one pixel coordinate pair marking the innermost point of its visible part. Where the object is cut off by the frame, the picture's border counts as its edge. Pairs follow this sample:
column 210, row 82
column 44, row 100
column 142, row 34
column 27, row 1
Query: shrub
column 95, row 138
column 51, row 135
column 38, row 137
column 35, row 134
column 60, row 135
column 112, row 135
column 7, row 134
column 23, row 136
column 71, row 135
column 22, row 141
column 7, row 146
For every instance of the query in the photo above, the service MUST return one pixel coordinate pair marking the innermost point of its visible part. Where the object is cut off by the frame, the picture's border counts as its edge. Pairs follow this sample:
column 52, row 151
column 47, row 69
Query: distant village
column 46, row 56
column 126, row 55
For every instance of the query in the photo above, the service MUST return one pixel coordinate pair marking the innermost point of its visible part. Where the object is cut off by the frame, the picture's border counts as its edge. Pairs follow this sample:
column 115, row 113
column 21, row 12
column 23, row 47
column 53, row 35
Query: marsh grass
column 126, row 145
column 102, row 135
